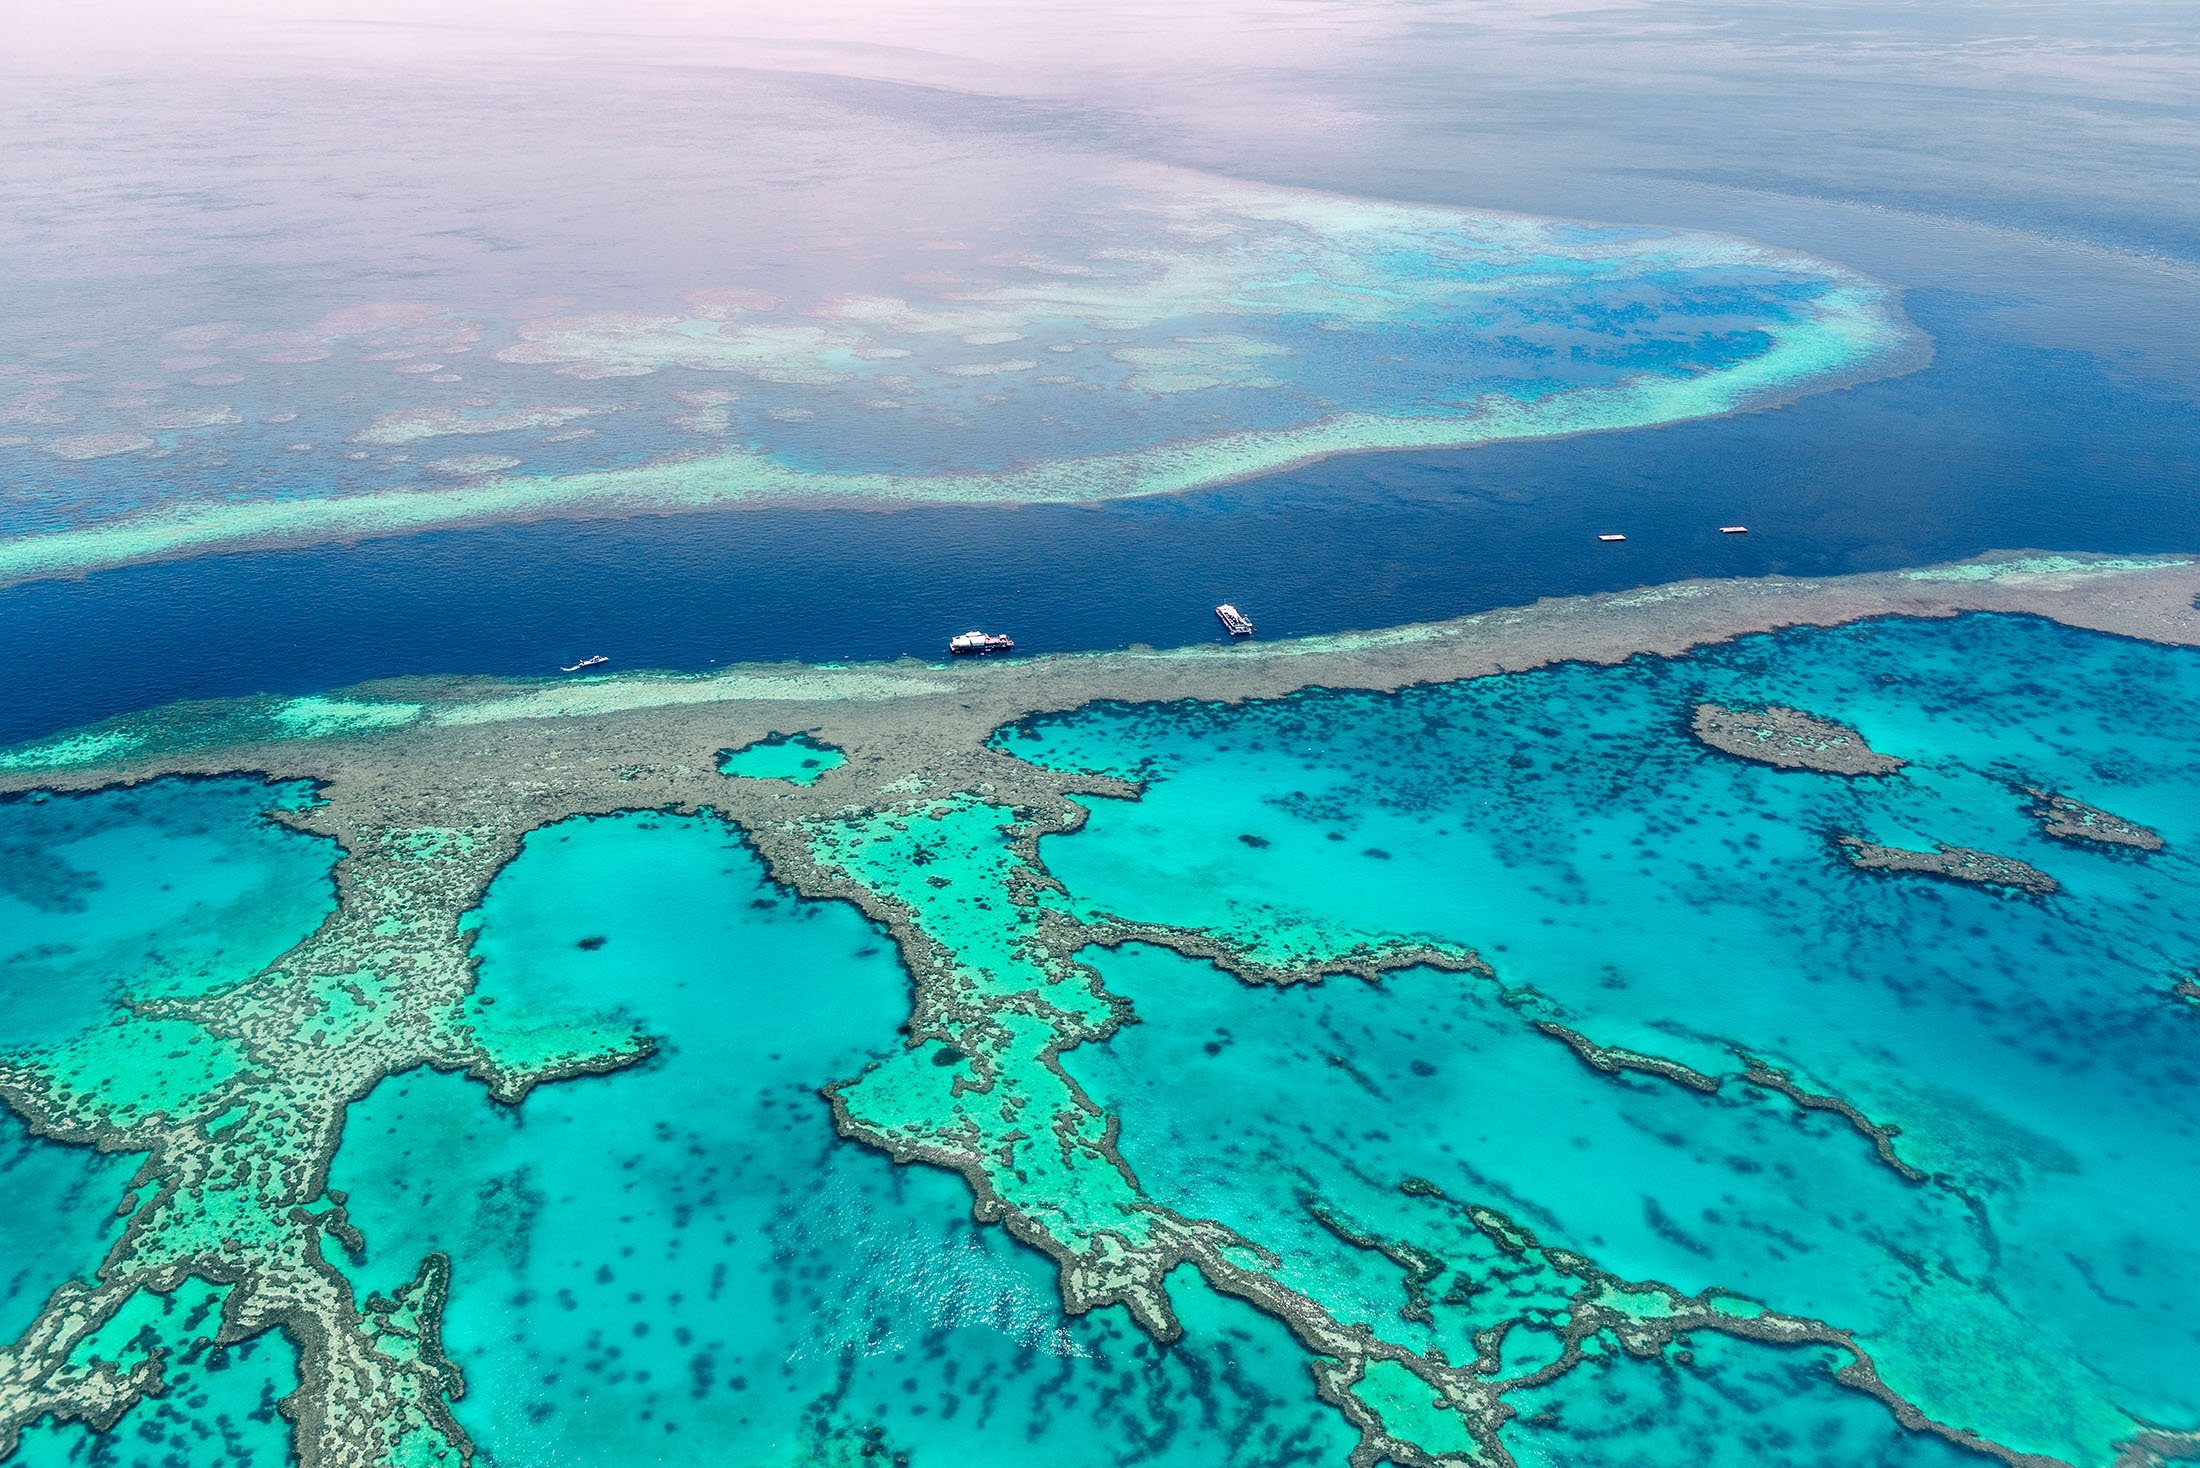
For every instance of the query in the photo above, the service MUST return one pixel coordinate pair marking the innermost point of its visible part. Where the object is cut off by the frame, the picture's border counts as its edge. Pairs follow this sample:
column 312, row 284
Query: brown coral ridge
column 380, row 988
column 2070, row 820
column 1951, row 864
column 1789, row 739
column 1421, row 1267
column 1113, row 1268
column 1881, row 1135
column 1614, row 1060
column 1369, row 961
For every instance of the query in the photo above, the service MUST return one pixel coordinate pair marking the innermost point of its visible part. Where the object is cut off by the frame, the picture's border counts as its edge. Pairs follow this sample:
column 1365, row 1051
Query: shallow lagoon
column 793, row 757
column 220, row 1406
column 175, row 887
column 766, row 1289
column 1683, row 903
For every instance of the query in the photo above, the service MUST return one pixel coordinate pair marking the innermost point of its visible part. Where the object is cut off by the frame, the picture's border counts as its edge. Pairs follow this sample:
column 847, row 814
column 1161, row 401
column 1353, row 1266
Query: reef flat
column 969, row 818
column 1159, row 331
column 2074, row 820
column 1952, row 864
column 1789, row 739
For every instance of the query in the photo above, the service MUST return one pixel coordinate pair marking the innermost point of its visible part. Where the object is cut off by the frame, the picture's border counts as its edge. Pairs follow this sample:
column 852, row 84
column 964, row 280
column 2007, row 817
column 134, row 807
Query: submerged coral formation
column 795, row 757
column 1173, row 361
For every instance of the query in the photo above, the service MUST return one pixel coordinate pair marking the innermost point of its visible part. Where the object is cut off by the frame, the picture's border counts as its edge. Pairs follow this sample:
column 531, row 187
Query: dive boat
column 978, row 644
column 1234, row 621
column 595, row 662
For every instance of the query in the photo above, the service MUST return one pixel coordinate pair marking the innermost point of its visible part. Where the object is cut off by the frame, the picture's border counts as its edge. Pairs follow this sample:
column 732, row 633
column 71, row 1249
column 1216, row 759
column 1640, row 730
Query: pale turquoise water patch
column 793, row 757
column 317, row 716
column 1297, row 1115
column 682, row 1262
column 1678, row 901
column 178, row 886
column 70, row 751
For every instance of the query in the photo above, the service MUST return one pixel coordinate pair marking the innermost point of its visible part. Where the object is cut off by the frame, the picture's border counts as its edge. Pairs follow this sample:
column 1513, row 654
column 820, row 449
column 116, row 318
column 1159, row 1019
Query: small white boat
column 595, row 662
column 1734, row 530
column 1234, row 622
column 1609, row 539
column 978, row 644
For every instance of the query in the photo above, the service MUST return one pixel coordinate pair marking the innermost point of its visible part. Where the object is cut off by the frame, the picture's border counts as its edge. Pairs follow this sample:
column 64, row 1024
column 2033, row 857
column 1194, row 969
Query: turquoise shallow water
column 681, row 1259
column 1673, row 899
column 220, row 1405
column 795, row 757
column 176, row 887
column 1732, row 1405
column 58, row 1219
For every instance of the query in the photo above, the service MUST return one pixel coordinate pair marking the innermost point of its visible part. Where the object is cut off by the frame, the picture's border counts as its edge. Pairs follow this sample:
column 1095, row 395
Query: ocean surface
column 1995, row 445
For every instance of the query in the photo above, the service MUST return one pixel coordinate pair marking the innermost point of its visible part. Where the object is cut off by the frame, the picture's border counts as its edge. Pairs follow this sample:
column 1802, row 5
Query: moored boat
column 595, row 662
column 1234, row 622
column 978, row 644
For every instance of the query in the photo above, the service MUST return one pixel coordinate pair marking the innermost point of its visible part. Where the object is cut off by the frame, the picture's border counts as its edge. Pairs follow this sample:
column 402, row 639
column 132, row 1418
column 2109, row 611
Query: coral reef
column 1789, row 739
column 932, row 831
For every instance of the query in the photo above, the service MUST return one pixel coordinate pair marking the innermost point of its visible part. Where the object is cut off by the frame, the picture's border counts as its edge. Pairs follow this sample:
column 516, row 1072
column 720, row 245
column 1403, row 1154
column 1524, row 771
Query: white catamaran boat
column 1234, row 622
